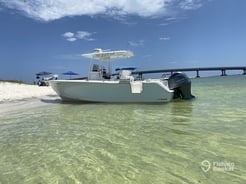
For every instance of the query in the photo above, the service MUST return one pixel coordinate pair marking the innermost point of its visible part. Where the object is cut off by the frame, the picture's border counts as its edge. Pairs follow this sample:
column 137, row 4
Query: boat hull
column 112, row 91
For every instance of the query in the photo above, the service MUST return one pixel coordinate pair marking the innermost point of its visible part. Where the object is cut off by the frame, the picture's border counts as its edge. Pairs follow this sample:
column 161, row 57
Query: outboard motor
column 181, row 84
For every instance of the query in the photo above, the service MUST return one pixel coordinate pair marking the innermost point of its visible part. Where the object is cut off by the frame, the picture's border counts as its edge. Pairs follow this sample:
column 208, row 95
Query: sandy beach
column 14, row 91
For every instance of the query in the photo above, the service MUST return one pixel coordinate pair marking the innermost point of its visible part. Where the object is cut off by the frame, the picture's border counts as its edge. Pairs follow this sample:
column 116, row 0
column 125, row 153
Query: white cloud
column 71, row 39
column 164, row 24
column 79, row 35
column 136, row 43
column 190, row 4
column 48, row 10
column 68, row 35
column 172, row 19
column 165, row 38
column 84, row 35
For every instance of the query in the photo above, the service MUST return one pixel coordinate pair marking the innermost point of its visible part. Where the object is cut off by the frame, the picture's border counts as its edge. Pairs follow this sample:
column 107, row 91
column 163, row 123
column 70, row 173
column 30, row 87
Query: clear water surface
column 195, row 142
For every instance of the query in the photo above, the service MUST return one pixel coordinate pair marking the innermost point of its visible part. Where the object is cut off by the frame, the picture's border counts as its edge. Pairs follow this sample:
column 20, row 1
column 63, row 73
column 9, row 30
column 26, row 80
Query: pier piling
column 223, row 72
column 197, row 74
column 244, row 71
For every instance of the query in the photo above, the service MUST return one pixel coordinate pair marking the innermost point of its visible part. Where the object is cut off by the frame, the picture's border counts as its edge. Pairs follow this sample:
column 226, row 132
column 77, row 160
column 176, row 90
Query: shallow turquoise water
column 55, row 142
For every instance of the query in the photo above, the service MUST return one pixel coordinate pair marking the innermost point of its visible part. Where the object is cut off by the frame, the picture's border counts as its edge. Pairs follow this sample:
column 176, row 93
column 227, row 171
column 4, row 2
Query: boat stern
column 181, row 84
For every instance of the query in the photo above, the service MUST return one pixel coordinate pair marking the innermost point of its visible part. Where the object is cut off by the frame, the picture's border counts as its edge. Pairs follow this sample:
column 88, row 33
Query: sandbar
column 14, row 91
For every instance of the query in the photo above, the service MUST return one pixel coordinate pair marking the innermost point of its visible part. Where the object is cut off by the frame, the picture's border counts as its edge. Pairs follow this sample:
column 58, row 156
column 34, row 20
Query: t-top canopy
column 126, row 68
column 108, row 55
column 43, row 73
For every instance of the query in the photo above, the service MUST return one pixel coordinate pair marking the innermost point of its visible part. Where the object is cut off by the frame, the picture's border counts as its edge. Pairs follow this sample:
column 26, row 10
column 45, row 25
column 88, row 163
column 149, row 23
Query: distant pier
column 197, row 70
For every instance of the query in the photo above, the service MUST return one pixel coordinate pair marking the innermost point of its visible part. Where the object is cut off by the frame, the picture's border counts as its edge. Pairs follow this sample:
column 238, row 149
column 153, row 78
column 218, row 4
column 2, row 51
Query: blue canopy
column 70, row 73
column 43, row 73
column 125, row 68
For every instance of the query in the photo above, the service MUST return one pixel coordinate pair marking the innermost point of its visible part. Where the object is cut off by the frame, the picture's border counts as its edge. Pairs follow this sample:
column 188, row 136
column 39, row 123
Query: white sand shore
column 14, row 91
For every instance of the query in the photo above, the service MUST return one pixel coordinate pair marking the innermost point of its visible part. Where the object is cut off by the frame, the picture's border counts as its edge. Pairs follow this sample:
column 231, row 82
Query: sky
column 51, row 35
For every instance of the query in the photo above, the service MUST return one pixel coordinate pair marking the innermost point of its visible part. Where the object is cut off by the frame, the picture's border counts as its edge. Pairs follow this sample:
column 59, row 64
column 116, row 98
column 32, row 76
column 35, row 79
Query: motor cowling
column 181, row 84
